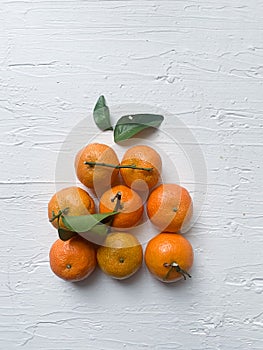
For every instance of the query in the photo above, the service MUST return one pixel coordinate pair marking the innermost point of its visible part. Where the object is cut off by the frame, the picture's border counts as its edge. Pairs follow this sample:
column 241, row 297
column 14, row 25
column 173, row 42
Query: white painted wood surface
column 202, row 61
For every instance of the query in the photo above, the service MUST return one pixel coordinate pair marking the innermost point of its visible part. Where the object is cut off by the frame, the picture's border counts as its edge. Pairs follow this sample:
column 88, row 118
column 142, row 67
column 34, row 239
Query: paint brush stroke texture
column 202, row 60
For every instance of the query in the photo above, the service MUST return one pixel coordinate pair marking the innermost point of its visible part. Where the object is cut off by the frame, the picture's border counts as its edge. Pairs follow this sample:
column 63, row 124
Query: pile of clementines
column 119, row 188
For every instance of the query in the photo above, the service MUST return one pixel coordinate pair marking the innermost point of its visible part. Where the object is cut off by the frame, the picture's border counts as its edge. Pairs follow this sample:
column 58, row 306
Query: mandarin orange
column 120, row 256
column 124, row 200
column 142, row 157
column 169, row 257
column 170, row 208
column 72, row 260
column 90, row 166
column 72, row 201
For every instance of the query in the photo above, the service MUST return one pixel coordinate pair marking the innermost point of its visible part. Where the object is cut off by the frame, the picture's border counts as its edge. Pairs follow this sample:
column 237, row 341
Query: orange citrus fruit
column 72, row 260
column 120, row 256
column 145, row 157
column 170, row 208
column 92, row 175
column 72, row 201
column 124, row 200
column 169, row 257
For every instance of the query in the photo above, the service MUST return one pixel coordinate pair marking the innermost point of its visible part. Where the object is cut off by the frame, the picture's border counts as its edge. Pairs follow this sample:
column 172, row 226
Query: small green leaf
column 101, row 115
column 85, row 223
column 129, row 125
column 65, row 235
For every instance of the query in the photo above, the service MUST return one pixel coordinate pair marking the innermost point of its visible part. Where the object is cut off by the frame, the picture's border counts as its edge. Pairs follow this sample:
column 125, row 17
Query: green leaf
column 101, row 115
column 129, row 125
column 97, row 234
column 85, row 223
column 100, row 229
column 65, row 235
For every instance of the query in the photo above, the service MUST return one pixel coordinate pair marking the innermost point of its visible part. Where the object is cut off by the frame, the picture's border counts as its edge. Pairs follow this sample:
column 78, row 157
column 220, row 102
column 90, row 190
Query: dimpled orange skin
column 131, row 210
column 72, row 260
column 75, row 199
column 121, row 255
column 144, row 157
column 170, row 208
column 168, row 248
column 98, row 176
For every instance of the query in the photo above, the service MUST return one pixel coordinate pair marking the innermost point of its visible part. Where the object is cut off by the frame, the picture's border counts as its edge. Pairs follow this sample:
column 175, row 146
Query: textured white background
column 203, row 61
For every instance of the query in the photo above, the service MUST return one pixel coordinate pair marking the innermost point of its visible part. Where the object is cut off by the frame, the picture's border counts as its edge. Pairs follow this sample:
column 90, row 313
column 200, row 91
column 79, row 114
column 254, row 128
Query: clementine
column 120, row 256
column 143, row 167
column 72, row 260
column 73, row 201
column 124, row 200
column 169, row 257
column 170, row 208
column 91, row 169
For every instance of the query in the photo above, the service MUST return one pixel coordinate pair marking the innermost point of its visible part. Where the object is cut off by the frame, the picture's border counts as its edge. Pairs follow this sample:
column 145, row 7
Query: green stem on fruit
column 92, row 164
column 175, row 266
column 58, row 215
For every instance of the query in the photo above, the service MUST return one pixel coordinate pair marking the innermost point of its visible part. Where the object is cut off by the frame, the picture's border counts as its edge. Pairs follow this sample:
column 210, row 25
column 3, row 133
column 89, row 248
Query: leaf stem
column 92, row 164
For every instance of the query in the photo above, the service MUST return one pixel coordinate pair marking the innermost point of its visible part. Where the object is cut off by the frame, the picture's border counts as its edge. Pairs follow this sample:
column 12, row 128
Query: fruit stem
column 118, row 203
column 116, row 208
column 178, row 269
column 58, row 215
column 92, row 164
